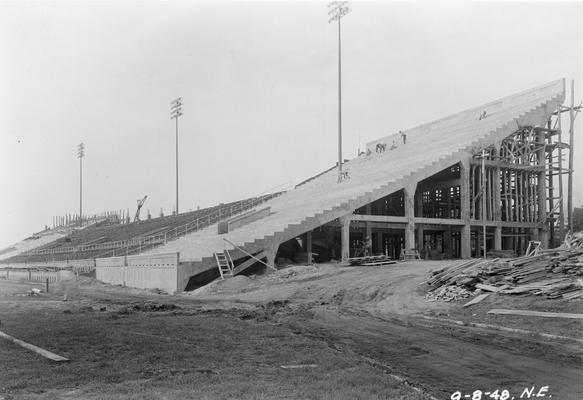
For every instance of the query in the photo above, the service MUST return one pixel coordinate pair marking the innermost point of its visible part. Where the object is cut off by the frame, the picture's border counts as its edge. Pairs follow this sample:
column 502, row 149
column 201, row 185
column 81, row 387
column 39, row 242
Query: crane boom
column 140, row 204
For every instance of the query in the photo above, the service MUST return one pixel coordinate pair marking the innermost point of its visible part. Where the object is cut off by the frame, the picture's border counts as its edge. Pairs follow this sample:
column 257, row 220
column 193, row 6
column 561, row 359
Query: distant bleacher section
column 74, row 220
column 103, row 239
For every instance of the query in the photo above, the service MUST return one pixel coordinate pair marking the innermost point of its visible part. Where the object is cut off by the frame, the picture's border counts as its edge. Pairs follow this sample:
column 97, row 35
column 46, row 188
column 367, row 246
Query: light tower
column 337, row 10
column 80, row 154
column 175, row 112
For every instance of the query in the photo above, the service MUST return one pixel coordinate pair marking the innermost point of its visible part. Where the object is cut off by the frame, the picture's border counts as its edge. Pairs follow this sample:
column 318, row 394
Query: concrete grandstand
column 437, row 189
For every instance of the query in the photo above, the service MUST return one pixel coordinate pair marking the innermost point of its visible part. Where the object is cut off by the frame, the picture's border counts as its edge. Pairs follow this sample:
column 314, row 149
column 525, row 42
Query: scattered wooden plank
column 378, row 263
column 487, row 288
column 535, row 313
column 476, row 299
column 299, row 366
column 498, row 327
column 36, row 349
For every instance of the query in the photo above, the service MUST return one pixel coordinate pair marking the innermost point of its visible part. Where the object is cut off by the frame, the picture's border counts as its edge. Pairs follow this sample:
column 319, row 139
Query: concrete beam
column 506, row 165
column 505, row 224
column 439, row 221
column 379, row 218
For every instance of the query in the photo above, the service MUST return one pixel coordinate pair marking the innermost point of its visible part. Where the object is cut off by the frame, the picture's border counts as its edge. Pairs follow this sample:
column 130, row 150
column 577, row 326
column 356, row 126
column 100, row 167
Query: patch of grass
column 175, row 356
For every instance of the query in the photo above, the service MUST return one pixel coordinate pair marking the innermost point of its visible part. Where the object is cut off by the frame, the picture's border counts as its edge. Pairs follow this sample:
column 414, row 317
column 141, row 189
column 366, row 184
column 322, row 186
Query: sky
column 259, row 87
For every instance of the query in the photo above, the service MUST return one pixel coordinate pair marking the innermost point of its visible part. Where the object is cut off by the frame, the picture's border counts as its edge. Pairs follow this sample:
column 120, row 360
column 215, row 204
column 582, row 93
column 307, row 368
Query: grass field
column 134, row 352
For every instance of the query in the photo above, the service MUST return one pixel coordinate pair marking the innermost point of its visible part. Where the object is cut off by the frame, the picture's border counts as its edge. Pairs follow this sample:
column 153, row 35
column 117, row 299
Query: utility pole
column 175, row 112
column 338, row 9
column 80, row 154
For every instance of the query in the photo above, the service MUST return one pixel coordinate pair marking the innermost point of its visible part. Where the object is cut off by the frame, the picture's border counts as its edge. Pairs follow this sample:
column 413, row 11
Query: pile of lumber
column 448, row 293
column 371, row 261
column 552, row 273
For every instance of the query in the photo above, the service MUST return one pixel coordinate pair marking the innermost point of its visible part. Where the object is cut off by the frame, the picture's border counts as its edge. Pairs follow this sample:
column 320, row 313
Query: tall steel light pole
column 80, row 154
column 175, row 112
column 337, row 10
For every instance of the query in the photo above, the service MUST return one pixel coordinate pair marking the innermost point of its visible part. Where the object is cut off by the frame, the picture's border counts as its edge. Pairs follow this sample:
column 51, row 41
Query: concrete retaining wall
column 156, row 271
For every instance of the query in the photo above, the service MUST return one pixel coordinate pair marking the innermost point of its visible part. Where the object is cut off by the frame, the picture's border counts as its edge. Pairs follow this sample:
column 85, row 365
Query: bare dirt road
column 378, row 314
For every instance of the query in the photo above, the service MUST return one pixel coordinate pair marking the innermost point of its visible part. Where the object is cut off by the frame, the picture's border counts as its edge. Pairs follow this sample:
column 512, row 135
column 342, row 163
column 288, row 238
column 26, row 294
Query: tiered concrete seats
column 429, row 148
column 65, row 244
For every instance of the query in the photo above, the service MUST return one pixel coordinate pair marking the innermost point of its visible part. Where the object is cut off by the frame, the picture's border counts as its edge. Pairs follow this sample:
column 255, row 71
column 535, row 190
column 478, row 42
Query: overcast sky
column 259, row 83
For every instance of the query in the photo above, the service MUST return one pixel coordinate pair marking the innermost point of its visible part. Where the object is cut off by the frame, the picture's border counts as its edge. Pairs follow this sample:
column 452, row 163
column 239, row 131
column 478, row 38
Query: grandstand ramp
column 429, row 149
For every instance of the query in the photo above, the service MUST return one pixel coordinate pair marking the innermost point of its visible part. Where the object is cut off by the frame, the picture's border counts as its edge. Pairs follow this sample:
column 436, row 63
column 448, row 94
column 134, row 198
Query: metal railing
column 141, row 244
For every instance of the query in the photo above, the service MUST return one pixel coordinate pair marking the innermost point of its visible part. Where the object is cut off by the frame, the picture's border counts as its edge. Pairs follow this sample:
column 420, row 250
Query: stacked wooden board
column 371, row 261
column 552, row 273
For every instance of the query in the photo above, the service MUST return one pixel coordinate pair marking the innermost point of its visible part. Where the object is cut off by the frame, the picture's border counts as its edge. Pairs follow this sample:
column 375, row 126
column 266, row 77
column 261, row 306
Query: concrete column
column 420, row 235
column 447, row 245
column 497, row 212
column 410, row 215
column 345, row 237
column 466, row 249
column 498, row 238
column 368, row 224
column 543, row 233
column 309, row 246
column 380, row 243
column 270, row 255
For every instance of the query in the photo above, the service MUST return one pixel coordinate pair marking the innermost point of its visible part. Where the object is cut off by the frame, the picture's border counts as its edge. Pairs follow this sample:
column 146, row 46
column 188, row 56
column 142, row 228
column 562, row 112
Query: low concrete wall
column 84, row 265
column 36, row 276
column 110, row 270
column 186, row 270
column 155, row 271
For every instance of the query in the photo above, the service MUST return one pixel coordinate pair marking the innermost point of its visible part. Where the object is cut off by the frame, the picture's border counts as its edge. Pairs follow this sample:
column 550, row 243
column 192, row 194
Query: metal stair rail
column 224, row 263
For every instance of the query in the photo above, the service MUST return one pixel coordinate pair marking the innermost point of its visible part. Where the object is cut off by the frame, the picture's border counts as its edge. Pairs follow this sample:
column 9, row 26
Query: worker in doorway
column 367, row 246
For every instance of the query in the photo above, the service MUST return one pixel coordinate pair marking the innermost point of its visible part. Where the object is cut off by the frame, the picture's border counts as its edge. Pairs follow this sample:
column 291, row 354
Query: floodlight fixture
column 175, row 112
column 80, row 155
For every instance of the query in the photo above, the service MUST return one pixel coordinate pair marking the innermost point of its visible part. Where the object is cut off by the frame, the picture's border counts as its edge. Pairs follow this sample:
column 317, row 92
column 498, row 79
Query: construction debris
column 448, row 293
column 550, row 273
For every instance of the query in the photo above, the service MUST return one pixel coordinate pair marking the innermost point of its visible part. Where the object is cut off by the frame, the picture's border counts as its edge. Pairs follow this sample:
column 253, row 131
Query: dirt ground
column 321, row 332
